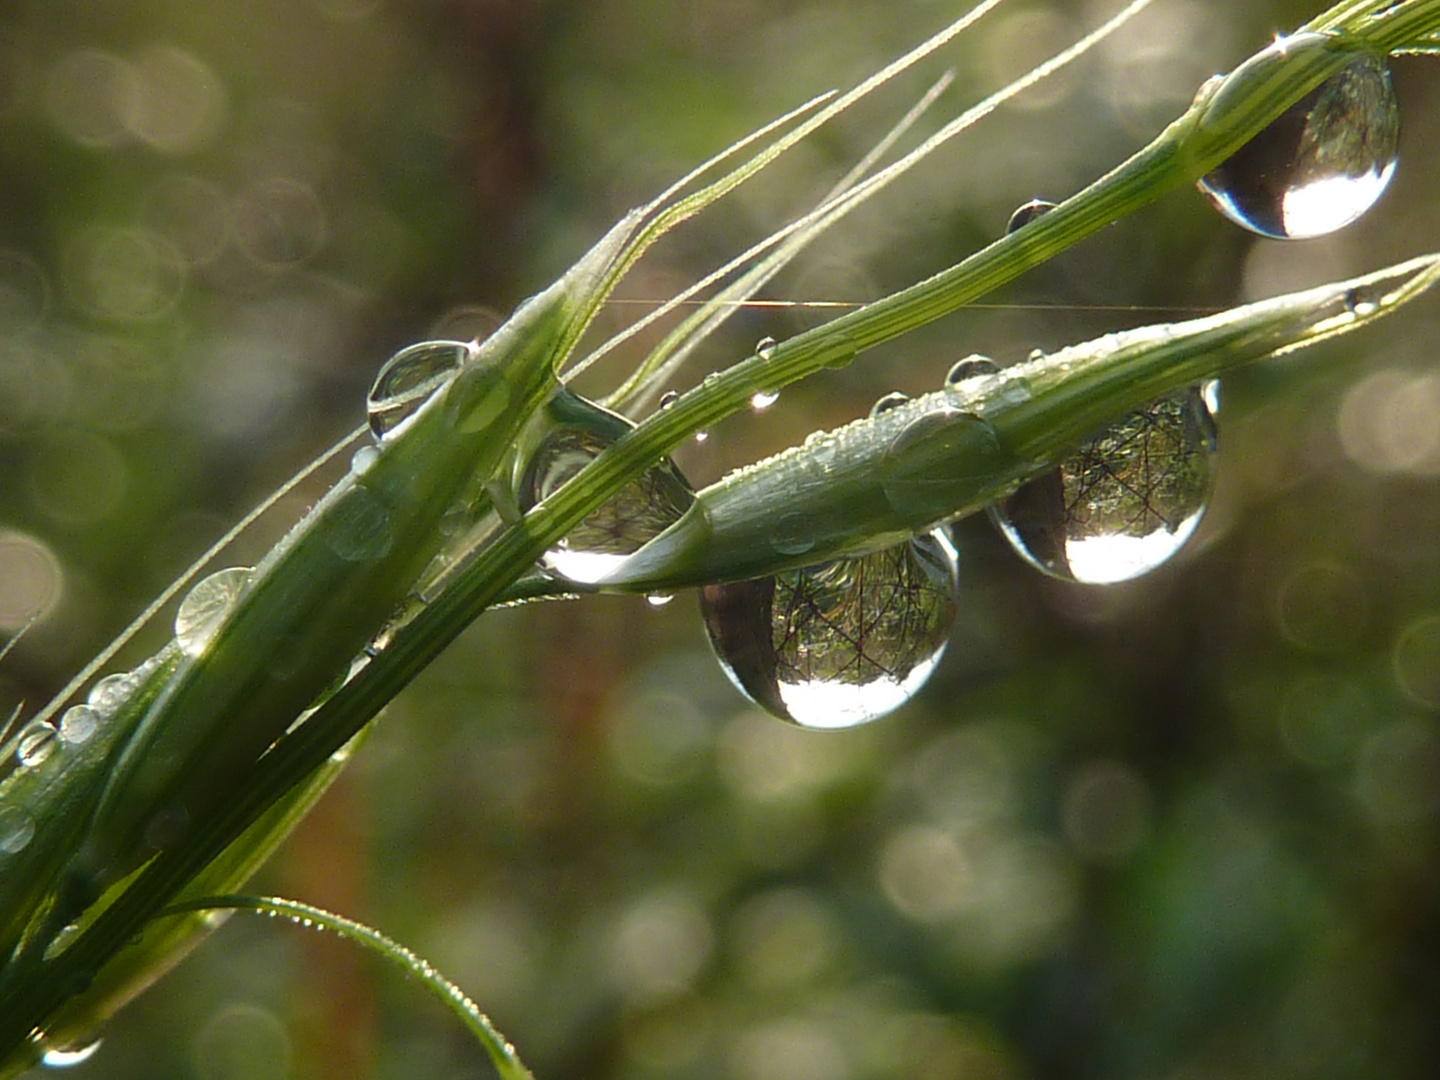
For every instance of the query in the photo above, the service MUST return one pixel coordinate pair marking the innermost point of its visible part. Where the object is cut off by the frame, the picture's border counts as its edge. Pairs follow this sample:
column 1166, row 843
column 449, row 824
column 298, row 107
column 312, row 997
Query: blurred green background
column 1180, row 828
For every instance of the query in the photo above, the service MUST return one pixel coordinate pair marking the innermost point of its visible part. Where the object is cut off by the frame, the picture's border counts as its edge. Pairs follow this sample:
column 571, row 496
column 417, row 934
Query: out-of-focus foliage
column 1180, row 827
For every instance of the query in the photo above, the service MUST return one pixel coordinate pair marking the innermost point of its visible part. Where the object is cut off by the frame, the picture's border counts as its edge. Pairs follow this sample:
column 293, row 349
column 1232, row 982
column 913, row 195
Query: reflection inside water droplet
column 841, row 643
column 408, row 380
column 639, row 512
column 36, row 742
column 1124, row 502
column 1318, row 166
column 204, row 608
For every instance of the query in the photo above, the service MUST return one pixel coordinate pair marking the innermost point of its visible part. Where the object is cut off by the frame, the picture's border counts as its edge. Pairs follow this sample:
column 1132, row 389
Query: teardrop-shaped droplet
column 640, row 511
column 971, row 367
column 763, row 399
column 36, row 742
column 892, row 400
column 1320, row 164
column 841, row 643
column 1124, row 502
column 78, row 725
column 205, row 607
column 1026, row 213
column 407, row 381
column 17, row 829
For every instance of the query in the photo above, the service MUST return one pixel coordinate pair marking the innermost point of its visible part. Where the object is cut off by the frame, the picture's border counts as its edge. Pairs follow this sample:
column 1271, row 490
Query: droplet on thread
column 841, row 643
column 408, row 380
column 1319, row 165
column 1124, row 502
column 36, row 742
column 636, row 514
column 204, row 608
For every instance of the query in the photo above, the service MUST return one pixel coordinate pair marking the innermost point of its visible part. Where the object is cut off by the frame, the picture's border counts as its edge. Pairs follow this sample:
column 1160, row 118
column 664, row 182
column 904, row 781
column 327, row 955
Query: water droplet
column 934, row 456
column 701, row 436
column 971, row 367
column 793, row 534
column 892, row 400
column 79, row 724
column 362, row 459
column 841, row 643
column 1124, row 502
column 63, row 1057
column 36, row 742
column 669, row 398
column 205, row 606
column 659, row 599
column 639, row 512
column 17, row 828
column 1026, row 213
column 763, row 399
column 111, row 692
column 765, row 348
column 408, row 380
column 1320, row 164
column 358, row 528
column 1036, row 354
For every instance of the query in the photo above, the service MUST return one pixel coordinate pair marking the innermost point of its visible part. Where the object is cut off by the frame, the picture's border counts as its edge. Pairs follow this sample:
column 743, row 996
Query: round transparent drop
column 204, row 608
column 892, row 400
column 636, row 514
column 408, row 380
column 1319, row 165
column 17, row 829
column 971, row 367
column 36, row 742
column 111, row 692
column 1124, row 502
column 78, row 725
column 1025, row 213
column 841, row 643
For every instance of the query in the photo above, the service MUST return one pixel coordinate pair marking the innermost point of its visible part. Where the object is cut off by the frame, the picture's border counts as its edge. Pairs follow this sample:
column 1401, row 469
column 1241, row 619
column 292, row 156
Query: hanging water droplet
column 701, row 436
column 78, row 725
column 17, row 829
column 1124, row 502
column 763, row 399
column 765, row 348
column 841, row 643
column 659, row 599
column 205, row 606
column 971, row 367
column 639, row 512
column 892, row 400
column 669, row 398
column 407, row 381
column 1320, row 164
column 36, row 742
column 64, row 1057
column 111, row 692
column 1026, row 213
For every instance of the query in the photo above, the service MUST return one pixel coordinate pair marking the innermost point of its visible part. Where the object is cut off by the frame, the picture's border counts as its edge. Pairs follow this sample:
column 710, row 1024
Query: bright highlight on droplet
column 1125, row 502
column 1318, row 166
column 841, row 643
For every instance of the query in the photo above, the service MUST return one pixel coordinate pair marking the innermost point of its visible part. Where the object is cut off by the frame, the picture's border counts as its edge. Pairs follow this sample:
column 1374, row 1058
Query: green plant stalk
column 1183, row 152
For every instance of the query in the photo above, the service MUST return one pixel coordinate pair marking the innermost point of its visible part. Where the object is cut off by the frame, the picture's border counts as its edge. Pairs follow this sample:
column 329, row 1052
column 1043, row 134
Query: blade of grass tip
column 103, row 658
column 502, row 1052
column 651, row 372
column 827, row 213
column 662, row 220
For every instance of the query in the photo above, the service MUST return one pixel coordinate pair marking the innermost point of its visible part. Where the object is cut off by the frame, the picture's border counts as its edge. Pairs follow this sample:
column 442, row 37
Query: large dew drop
column 841, row 643
column 1321, row 164
column 408, row 380
column 1124, row 502
column 205, row 607
column 639, row 512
